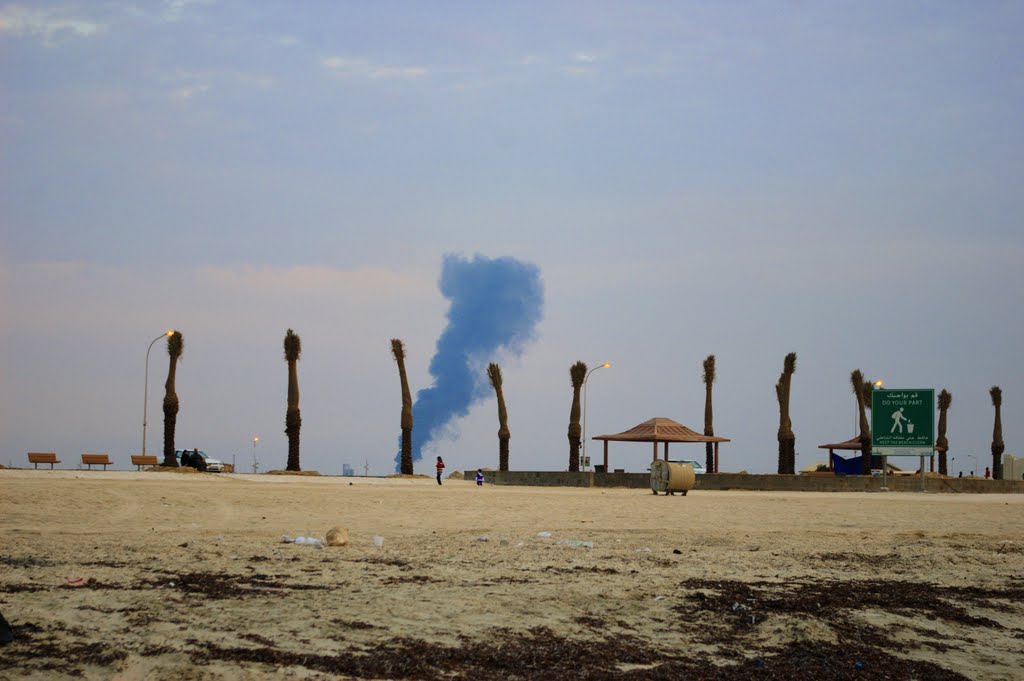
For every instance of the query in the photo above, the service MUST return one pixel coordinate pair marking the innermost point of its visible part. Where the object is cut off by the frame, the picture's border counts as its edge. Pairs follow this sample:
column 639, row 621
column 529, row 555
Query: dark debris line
column 540, row 655
column 719, row 613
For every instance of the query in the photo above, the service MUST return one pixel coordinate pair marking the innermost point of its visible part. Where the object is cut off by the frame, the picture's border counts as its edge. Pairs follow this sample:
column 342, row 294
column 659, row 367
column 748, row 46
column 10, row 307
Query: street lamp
column 145, row 394
column 585, row 379
column 255, row 464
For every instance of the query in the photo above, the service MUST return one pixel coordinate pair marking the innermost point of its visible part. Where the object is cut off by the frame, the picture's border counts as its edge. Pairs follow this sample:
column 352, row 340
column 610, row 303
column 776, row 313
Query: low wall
column 764, row 483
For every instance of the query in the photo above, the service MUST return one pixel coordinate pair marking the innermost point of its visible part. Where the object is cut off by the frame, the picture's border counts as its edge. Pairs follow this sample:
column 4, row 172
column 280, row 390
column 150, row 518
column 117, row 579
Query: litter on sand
column 543, row 534
column 301, row 540
column 575, row 543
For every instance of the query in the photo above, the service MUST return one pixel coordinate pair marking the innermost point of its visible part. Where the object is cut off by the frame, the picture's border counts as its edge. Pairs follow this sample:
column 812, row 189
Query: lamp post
column 145, row 394
column 585, row 379
column 255, row 464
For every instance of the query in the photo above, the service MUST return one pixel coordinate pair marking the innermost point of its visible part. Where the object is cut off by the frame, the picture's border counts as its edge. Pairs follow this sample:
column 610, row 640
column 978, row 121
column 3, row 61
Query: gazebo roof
column 660, row 430
column 854, row 443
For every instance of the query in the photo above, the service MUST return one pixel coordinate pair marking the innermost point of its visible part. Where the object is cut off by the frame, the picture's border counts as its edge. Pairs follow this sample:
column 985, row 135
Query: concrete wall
column 743, row 481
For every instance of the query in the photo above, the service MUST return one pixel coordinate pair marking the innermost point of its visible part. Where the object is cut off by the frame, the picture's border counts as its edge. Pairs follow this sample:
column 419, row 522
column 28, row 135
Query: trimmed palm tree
column 859, row 388
column 709, row 419
column 494, row 374
column 292, row 417
column 175, row 346
column 577, row 374
column 787, row 439
column 942, row 442
column 997, row 433
column 398, row 350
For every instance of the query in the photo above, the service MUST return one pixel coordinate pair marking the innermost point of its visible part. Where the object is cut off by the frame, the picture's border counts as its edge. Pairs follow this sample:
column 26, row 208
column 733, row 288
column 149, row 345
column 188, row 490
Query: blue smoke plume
column 495, row 304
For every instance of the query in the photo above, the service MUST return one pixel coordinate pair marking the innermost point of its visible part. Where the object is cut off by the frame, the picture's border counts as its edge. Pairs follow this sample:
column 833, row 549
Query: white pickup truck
column 212, row 465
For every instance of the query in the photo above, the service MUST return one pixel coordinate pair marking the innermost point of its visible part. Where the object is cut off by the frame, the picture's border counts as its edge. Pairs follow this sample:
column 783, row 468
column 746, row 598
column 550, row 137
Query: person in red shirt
column 440, row 469
column 988, row 473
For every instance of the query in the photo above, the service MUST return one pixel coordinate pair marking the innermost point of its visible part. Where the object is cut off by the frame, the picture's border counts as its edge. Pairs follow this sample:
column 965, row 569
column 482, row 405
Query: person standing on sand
column 440, row 469
column 479, row 478
column 988, row 473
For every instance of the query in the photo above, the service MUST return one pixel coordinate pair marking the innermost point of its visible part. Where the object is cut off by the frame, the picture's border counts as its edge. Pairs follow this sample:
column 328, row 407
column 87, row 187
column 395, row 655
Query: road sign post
column 903, row 423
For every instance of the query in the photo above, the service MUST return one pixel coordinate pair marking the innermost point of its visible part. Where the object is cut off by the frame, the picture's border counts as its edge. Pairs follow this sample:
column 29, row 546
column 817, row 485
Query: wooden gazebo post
column 716, row 457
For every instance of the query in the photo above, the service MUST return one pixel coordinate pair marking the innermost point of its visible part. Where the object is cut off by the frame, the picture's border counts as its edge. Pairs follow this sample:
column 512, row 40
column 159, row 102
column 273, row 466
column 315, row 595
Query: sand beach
column 125, row 575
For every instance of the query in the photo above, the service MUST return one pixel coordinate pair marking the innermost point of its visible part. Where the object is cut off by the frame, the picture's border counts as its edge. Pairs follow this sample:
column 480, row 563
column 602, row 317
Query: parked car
column 698, row 467
column 212, row 465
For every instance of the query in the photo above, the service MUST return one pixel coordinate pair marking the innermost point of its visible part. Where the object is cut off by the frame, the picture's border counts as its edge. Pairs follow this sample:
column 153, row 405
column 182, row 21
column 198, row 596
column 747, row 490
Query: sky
column 841, row 180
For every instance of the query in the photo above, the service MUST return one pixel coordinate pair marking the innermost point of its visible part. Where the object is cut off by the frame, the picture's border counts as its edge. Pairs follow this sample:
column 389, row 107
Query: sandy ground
column 185, row 576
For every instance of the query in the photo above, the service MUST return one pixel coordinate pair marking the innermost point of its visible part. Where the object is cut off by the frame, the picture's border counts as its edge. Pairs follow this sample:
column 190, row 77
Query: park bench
column 139, row 461
column 36, row 458
column 91, row 460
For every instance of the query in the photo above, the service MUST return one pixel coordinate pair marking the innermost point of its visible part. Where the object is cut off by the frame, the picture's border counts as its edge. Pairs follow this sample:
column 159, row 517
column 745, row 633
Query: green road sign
column 903, row 422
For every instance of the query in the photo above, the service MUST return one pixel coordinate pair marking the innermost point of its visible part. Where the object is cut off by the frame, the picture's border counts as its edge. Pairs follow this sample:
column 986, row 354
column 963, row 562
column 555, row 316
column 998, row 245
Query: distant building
column 347, row 470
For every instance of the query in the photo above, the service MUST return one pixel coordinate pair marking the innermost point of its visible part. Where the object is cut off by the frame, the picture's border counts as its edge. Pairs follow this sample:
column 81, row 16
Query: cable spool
column 671, row 477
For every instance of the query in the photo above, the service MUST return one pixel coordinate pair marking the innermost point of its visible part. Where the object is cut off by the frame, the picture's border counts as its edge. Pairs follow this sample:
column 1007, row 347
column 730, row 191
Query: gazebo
column 660, row 430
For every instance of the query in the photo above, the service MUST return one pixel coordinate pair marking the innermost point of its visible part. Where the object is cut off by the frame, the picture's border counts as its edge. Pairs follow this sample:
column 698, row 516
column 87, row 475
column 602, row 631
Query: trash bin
column 599, row 468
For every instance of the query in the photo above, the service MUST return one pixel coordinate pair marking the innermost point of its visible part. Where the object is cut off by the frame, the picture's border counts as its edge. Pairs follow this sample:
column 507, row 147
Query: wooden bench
column 36, row 458
column 139, row 461
column 91, row 460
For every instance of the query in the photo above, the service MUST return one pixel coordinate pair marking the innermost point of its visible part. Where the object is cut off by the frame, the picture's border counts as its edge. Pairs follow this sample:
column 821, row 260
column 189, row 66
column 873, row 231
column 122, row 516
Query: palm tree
column 787, row 439
column 398, row 350
column 859, row 388
column 175, row 346
column 709, row 419
column 292, row 418
column 997, row 434
column 941, row 442
column 578, row 374
column 494, row 373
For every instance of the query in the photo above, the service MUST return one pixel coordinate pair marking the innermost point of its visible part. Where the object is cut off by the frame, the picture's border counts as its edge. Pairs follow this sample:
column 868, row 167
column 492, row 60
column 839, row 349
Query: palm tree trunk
column 578, row 376
column 575, row 432
column 942, row 442
column 170, row 414
column 998, row 447
column 709, row 430
column 406, row 465
column 170, row 423
column 293, row 424
column 865, row 442
column 865, row 437
column 503, row 453
column 293, row 419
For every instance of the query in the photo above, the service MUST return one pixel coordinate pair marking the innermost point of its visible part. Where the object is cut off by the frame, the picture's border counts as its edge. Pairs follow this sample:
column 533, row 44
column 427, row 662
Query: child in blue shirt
column 479, row 478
